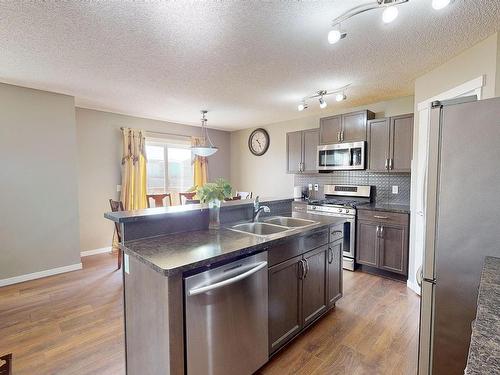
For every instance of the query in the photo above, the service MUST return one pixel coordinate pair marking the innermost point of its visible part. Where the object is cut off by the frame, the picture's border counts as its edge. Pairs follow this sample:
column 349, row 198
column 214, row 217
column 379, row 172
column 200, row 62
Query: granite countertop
column 397, row 208
column 159, row 212
column 178, row 252
column 484, row 350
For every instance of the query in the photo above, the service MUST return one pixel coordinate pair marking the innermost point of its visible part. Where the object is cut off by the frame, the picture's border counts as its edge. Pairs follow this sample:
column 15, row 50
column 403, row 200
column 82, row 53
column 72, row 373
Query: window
column 169, row 165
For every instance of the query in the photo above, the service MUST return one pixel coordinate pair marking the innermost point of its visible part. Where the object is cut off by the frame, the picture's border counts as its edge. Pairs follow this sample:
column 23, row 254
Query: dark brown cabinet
column 285, row 292
column 393, row 248
column 349, row 127
column 367, row 242
column 302, row 287
column 314, row 284
column 301, row 151
column 382, row 241
column 334, row 272
column 390, row 144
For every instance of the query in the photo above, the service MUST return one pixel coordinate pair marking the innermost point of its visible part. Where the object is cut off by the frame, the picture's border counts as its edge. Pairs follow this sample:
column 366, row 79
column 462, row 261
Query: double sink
column 272, row 225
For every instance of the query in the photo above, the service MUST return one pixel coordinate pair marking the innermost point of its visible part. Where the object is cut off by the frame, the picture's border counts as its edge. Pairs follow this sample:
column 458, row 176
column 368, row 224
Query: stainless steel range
column 341, row 201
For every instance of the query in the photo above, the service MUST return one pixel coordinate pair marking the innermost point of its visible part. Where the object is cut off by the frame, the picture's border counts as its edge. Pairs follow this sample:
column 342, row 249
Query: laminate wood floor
column 73, row 324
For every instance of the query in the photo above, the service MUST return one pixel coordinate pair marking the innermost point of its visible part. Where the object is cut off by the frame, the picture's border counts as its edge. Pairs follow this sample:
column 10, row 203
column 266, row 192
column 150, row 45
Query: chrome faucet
column 257, row 209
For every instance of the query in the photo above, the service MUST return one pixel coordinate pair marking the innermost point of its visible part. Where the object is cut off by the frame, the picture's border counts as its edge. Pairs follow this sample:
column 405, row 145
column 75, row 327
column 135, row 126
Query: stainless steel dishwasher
column 226, row 318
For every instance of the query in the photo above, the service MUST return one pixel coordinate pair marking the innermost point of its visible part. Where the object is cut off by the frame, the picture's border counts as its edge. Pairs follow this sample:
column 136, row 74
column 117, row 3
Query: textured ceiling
column 248, row 62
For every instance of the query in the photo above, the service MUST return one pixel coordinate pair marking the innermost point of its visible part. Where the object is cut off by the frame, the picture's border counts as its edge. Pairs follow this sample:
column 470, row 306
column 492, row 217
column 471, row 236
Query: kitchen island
column 303, row 277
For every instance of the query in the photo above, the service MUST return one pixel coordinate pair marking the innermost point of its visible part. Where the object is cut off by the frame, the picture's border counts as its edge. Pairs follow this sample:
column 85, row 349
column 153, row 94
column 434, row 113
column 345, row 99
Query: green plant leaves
column 212, row 191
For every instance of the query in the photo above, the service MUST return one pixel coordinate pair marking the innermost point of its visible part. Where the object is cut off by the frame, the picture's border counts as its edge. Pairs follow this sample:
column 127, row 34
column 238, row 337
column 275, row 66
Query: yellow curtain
column 134, row 185
column 200, row 166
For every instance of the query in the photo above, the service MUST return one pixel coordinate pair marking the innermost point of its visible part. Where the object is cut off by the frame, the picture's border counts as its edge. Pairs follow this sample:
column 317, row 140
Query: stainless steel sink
column 290, row 222
column 259, row 229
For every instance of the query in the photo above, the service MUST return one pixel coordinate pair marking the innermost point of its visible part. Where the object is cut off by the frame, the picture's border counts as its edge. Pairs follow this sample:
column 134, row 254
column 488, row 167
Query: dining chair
column 117, row 206
column 188, row 196
column 244, row 194
column 158, row 199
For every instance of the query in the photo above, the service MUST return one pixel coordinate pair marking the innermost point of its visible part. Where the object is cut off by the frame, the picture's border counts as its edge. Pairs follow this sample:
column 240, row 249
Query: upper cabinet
column 390, row 144
column 349, row 127
column 301, row 149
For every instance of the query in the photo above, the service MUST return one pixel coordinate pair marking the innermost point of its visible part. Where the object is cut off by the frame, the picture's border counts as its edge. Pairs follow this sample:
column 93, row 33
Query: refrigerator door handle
column 431, row 281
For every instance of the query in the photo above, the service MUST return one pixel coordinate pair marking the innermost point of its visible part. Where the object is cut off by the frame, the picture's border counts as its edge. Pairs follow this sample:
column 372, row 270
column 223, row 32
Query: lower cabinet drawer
column 383, row 217
column 336, row 232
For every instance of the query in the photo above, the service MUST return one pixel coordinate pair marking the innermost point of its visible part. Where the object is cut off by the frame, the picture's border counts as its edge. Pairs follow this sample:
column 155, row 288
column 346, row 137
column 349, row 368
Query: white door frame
column 415, row 257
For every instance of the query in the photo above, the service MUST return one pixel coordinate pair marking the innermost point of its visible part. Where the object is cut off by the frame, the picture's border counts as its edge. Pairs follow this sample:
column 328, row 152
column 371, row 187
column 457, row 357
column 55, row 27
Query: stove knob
column 340, row 210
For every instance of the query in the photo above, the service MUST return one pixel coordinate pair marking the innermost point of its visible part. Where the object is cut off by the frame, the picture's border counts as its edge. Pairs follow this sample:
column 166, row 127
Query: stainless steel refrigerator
column 462, row 225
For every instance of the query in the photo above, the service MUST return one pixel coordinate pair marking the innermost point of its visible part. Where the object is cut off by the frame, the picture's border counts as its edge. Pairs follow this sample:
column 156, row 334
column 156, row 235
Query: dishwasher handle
column 220, row 284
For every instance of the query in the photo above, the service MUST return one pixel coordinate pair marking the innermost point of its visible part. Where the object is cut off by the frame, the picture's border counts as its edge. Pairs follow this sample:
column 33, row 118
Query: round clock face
column 258, row 142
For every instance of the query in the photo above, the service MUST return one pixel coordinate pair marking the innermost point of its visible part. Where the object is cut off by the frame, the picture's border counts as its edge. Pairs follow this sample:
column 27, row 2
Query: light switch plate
column 310, row 187
column 395, row 189
column 316, row 187
column 118, row 188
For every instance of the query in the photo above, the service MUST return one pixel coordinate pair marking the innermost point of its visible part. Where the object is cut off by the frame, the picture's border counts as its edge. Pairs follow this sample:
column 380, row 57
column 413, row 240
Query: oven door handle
column 232, row 280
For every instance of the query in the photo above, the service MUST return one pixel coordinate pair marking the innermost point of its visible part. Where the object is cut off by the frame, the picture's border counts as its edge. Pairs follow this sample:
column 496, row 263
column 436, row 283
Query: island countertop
column 484, row 350
column 179, row 252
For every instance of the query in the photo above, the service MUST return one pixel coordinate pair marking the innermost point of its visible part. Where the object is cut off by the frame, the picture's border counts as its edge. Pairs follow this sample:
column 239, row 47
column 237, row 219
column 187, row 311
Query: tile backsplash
column 381, row 183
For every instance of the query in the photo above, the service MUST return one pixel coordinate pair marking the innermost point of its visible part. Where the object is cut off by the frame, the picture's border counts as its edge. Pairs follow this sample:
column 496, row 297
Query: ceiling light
column 390, row 14
column 335, row 35
column 440, row 4
column 340, row 97
column 302, row 106
column 204, row 148
column 322, row 103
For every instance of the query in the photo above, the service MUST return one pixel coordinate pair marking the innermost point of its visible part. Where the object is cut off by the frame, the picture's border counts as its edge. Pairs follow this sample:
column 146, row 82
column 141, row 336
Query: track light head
column 322, row 103
column 302, row 106
column 390, row 14
column 340, row 97
column 335, row 35
column 440, row 4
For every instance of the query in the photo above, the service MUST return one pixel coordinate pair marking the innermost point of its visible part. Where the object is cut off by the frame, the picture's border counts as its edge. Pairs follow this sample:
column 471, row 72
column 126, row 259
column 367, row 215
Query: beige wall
column 38, row 181
column 472, row 63
column 99, row 160
column 266, row 175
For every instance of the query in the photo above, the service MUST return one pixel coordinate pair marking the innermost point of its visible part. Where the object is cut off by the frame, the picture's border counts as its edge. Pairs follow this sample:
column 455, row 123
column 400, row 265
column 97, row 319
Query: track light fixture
column 389, row 15
column 320, row 95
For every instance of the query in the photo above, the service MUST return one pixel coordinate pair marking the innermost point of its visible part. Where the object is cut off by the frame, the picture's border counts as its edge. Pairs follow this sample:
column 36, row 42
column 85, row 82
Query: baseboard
column 413, row 286
column 102, row 250
column 40, row 274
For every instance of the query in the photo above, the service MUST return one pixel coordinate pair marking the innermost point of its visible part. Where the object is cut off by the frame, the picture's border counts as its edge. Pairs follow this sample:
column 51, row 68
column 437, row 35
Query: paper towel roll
column 297, row 192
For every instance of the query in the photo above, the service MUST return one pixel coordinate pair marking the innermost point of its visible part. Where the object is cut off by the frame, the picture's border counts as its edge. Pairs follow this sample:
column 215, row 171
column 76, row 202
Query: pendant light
column 204, row 148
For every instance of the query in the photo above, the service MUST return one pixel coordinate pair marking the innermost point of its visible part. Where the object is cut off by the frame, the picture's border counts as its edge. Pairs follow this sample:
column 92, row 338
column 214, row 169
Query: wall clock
column 258, row 142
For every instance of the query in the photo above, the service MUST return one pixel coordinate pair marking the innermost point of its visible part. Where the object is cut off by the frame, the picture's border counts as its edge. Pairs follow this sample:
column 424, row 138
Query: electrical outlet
column 395, row 189
column 316, row 187
column 118, row 188
column 310, row 187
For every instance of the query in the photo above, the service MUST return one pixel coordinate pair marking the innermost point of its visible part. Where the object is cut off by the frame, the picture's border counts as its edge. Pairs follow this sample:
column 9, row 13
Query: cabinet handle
column 306, row 268
column 337, row 232
column 338, row 136
column 301, row 270
column 390, row 164
column 330, row 255
column 381, row 231
column 380, row 217
column 386, row 163
column 342, row 136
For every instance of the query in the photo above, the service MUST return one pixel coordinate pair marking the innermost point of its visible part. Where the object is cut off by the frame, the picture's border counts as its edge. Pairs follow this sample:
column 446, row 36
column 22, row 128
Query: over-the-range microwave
column 341, row 156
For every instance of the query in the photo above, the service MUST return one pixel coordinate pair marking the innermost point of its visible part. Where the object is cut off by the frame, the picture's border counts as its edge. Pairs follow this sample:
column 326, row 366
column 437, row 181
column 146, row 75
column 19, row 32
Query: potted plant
column 214, row 193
